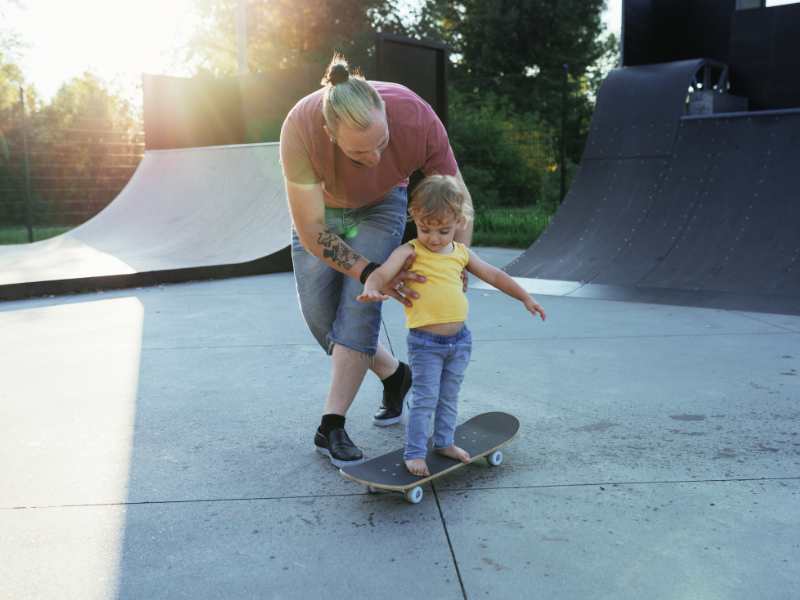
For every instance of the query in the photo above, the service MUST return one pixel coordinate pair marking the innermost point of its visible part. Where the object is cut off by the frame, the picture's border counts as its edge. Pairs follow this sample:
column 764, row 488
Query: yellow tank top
column 441, row 296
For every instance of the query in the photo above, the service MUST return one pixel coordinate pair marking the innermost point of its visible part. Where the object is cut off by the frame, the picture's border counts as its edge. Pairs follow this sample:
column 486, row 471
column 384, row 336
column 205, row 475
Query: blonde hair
column 437, row 197
column 348, row 98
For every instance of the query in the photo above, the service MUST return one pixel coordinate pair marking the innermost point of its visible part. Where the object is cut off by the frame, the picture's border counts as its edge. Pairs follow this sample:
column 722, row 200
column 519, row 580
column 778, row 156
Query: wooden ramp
column 187, row 214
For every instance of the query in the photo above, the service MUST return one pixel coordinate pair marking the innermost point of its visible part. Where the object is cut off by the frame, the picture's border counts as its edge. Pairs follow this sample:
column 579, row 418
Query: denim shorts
column 438, row 363
column 328, row 297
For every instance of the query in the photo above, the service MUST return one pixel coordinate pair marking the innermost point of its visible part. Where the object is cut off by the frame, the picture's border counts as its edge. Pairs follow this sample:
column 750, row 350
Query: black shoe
column 338, row 446
column 391, row 410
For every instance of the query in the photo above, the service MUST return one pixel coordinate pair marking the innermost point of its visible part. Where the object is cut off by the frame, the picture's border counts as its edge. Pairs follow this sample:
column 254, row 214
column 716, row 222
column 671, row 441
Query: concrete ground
column 157, row 443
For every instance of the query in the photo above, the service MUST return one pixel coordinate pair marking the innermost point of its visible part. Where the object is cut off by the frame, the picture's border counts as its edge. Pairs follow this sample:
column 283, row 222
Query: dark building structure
column 760, row 45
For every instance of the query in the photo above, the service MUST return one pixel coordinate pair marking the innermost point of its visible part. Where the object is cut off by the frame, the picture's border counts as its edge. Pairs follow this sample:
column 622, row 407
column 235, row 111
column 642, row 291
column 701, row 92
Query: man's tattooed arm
column 335, row 250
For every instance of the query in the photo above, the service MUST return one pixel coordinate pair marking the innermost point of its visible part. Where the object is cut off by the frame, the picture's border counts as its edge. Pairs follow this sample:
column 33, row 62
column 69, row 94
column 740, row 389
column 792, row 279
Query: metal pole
column 28, row 203
column 241, row 36
column 622, row 34
column 563, row 158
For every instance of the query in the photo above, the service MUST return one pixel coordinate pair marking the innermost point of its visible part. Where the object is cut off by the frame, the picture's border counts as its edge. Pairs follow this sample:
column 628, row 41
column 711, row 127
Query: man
column 346, row 152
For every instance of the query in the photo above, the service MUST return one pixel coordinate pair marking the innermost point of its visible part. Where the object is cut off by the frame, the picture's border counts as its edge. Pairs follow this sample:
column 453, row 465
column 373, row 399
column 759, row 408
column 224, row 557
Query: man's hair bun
column 356, row 103
column 337, row 72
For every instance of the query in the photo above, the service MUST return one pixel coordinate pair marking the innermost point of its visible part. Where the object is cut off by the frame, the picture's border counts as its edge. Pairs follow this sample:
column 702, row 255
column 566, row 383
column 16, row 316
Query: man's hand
column 397, row 288
column 375, row 290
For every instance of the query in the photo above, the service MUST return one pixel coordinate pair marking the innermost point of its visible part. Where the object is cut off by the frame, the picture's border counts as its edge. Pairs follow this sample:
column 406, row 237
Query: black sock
column 395, row 379
column 330, row 422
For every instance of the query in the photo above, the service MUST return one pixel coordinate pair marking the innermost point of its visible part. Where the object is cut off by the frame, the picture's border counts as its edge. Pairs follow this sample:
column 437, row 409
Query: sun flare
column 117, row 40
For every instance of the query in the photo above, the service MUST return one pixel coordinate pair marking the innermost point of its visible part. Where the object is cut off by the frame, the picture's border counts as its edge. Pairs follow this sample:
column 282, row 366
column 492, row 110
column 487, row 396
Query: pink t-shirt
column 417, row 140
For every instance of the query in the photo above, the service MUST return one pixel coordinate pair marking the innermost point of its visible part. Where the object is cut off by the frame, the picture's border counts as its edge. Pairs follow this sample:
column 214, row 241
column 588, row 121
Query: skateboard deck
column 480, row 436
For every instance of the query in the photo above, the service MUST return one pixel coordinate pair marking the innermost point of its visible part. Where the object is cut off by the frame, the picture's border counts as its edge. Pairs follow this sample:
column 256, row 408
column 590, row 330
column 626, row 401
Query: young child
column 439, row 343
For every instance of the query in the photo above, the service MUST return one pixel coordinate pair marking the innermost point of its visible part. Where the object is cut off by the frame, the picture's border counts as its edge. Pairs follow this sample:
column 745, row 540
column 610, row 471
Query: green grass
column 510, row 227
column 19, row 234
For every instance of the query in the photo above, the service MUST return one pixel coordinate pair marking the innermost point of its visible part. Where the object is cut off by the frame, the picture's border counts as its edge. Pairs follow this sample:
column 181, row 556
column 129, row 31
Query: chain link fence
column 59, row 178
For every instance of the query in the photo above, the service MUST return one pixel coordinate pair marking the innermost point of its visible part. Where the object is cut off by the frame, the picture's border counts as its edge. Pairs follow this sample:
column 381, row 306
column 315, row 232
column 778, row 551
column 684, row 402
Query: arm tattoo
column 336, row 250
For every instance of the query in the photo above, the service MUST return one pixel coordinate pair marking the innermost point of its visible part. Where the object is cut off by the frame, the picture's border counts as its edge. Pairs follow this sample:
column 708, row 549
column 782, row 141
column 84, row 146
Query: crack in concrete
column 445, row 490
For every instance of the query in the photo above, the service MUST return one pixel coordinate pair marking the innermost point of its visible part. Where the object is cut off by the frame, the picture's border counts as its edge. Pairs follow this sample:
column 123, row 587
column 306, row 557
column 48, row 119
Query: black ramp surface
column 679, row 189
column 711, row 220
column 627, row 155
column 477, row 435
column 744, row 232
column 638, row 110
column 607, row 204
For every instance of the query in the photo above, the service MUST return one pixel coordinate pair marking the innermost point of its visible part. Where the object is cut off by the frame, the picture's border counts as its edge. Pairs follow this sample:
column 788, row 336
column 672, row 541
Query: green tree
column 71, row 140
column 518, row 49
column 11, row 81
column 504, row 156
column 86, row 102
column 285, row 34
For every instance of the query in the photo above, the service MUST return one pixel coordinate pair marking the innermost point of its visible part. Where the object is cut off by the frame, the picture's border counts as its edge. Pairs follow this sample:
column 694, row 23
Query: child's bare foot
column 455, row 452
column 418, row 467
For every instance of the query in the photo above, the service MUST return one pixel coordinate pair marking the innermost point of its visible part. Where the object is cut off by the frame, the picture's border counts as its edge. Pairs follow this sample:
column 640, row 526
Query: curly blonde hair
column 438, row 197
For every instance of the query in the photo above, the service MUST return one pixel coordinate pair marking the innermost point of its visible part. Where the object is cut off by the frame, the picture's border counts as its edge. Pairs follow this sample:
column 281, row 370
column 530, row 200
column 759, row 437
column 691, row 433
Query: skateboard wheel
column 495, row 458
column 414, row 495
column 372, row 490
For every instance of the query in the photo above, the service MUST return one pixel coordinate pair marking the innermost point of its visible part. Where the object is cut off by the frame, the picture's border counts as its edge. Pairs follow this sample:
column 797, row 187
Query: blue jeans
column 438, row 363
column 328, row 297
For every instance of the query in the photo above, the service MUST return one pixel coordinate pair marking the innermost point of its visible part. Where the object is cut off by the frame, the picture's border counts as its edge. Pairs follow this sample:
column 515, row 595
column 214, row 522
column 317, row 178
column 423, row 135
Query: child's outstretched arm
column 503, row 282
column 375, row 287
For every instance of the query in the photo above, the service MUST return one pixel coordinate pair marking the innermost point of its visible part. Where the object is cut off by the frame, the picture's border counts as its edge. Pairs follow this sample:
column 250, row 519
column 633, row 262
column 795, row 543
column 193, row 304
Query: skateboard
column 480, row 436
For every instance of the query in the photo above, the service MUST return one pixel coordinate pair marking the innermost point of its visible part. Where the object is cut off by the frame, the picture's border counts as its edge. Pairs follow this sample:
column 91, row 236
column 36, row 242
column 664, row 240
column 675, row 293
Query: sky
column 119, row 40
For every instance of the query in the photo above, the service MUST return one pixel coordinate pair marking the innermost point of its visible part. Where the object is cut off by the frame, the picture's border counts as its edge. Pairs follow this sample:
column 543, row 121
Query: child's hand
column 372, row 292
column 535, row 308
column 371, row 296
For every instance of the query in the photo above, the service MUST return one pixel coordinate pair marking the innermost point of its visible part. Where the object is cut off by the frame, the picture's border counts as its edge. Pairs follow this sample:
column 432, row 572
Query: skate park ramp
column 186, row 214
column 675, row 209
